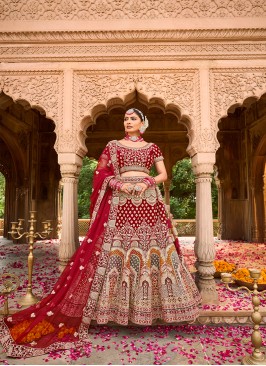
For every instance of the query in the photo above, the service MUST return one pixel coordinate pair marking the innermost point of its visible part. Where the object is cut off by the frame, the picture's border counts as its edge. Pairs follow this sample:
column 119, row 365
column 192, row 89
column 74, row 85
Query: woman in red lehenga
column 128, row 269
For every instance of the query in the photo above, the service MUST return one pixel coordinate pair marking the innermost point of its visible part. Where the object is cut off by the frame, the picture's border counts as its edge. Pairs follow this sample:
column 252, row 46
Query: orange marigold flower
column 223, row 266
column 242, row 274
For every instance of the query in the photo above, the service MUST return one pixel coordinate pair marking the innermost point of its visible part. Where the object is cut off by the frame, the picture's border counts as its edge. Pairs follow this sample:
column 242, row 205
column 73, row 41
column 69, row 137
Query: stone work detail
column 128, row 9
column 233, row 86
column 156, row 51
column 41, row 89
column 223, row 317
column 67, row 141
column 130, row 51
column 243, row 34
column 174, row 87
column 206, row 140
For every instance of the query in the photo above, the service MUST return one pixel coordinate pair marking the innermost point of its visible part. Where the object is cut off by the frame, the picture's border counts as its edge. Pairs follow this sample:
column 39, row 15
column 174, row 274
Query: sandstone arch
column 240, row 161
column 175, row 91
column 27, row 152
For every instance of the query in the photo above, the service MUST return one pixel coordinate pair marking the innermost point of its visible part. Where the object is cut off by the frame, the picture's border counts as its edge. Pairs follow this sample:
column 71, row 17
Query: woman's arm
column 161, row 170
column 161, row 177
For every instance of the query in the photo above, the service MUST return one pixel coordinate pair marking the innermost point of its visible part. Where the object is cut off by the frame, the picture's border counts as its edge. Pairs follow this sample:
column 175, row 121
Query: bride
column 128, row 269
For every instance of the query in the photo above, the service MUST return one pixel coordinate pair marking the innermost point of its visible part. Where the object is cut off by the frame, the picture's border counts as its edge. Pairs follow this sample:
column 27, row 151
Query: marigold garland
column 39, row 330
column 242, row 274
column 223, row 266
column 64, row 330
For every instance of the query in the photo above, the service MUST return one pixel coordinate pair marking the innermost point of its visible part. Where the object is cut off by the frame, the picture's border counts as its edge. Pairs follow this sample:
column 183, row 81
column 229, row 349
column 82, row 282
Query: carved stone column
column 70, row 165
column 59, row 208
column 202, row 164
column 264, row 195
column 218, row 183
column 254, row 225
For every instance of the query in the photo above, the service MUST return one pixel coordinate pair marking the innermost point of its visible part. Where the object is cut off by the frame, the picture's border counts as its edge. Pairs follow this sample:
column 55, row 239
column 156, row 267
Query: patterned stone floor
column 208, row 344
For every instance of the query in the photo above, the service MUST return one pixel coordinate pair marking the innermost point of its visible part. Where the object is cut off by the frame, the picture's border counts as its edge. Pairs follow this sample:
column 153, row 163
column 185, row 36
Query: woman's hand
column 127, row 188
column 136, row 190
column 139, row 189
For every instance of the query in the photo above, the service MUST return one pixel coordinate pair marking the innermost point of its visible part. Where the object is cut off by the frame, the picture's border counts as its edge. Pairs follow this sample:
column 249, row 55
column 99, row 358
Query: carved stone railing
column 184, row 227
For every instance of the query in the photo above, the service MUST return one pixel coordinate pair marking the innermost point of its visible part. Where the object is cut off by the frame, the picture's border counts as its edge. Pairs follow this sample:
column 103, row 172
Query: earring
column 142, row 129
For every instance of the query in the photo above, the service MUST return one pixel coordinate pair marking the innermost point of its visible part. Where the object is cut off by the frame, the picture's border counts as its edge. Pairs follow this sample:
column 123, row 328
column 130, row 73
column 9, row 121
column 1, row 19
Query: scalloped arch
column 123, row 103
column 232, row 88
column 245, row 102
column 40, row 90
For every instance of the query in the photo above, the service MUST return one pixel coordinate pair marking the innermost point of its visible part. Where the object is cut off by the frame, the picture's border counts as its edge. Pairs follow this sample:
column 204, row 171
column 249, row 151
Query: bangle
column 115, row 184
column 149, row 181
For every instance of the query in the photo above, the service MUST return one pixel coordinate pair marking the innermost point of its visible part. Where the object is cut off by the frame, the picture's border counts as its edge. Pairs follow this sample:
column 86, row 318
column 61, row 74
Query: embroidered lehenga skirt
column 127, row 272
column 141, row 278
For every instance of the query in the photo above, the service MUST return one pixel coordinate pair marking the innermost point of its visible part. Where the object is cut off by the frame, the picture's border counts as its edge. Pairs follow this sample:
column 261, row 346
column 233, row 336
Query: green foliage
column 183, row 192
column 2, row 195
column 85, row 187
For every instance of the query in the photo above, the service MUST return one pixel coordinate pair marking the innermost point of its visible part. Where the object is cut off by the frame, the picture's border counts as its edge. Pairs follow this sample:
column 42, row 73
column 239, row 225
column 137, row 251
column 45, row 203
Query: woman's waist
column 133, row 170
column 133, row 173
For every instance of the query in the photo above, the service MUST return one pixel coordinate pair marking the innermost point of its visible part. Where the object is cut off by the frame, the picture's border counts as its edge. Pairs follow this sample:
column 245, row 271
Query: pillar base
column 62, row 264
column 208, row 291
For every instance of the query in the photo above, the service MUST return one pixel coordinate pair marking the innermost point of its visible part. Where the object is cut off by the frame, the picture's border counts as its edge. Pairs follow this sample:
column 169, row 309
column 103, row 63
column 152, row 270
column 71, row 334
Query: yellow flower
column 242, row 274
column 223, row 266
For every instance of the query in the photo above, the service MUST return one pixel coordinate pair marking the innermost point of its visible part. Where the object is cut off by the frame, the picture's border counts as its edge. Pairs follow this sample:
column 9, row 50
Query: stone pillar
column 219, row 188
column 59, row 208
column 70, row 165
column 202, row 164
column 264, row 196
column 254, row 226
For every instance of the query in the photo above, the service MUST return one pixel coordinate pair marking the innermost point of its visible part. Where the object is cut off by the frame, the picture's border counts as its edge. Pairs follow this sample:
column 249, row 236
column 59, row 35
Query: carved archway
column 40, row 90
column 174, row 91
column 240, row 161
column 27, row 153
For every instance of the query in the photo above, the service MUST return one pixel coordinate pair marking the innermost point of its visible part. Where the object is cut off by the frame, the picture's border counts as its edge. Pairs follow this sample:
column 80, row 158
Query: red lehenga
column 127, row 269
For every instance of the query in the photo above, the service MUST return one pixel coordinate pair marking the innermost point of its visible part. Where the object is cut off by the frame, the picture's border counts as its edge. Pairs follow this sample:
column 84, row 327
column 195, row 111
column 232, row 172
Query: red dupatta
column 56, row 321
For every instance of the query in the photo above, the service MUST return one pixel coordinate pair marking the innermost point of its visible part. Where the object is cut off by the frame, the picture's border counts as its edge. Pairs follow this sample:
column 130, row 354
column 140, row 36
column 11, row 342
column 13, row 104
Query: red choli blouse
column 137, row 158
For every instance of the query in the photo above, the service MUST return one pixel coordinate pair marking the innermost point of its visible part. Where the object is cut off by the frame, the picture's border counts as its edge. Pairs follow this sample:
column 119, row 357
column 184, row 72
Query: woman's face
column 132, row 123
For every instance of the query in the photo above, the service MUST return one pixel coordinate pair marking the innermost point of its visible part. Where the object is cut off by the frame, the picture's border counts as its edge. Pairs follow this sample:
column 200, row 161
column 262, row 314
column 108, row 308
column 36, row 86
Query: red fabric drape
column 54, row 323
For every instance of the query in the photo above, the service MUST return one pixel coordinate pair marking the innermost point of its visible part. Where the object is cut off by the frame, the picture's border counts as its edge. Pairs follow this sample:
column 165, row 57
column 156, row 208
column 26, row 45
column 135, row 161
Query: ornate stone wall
column 39, row 89
column 231, row 86
column 75, row 59
column 176, row 90
column 128, row 9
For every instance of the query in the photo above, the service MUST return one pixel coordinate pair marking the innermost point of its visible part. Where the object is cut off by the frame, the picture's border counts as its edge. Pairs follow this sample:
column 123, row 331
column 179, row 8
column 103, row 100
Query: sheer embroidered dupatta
column 55, row 322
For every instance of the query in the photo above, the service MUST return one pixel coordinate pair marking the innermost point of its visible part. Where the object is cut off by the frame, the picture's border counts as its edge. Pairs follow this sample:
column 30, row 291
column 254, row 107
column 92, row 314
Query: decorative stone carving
column 127, row 9
column 128, row 51
column 69, row 172
column 232, row 86
column 67, row 141
column 176, row 35
column 42, row 89
column 202, row 164
column 222, row 317
column 174, row 87
column 69, row 236
column 203, row 141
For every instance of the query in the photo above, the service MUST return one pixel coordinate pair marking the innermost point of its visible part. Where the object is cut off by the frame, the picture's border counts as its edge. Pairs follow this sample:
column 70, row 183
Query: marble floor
column 198, row 344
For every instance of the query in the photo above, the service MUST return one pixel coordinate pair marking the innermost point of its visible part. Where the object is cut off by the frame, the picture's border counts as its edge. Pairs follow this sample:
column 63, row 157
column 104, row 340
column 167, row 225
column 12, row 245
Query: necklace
column 133, row 138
